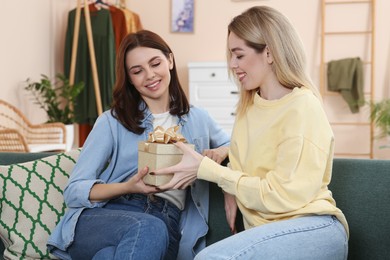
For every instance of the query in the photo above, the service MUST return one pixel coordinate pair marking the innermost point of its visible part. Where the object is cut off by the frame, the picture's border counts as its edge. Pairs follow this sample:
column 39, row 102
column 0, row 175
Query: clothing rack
column 91, row 52
column 370, row 33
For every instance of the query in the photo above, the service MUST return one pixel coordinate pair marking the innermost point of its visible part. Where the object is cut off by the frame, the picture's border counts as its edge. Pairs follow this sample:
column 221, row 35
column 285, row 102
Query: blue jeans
column 134, row 226
column 309, row 237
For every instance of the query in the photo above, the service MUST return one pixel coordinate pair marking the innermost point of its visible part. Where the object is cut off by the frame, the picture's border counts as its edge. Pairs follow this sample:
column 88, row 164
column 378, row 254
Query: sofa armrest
column 361, row 188
column 12, row 158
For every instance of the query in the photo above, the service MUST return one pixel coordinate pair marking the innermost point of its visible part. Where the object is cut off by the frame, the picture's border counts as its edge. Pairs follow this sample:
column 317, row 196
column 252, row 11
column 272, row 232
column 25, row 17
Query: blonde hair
column 262, row 26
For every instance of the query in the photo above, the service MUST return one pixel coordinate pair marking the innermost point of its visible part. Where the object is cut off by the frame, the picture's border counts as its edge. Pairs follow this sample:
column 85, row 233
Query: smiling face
column 149, row 71
column 252, row 68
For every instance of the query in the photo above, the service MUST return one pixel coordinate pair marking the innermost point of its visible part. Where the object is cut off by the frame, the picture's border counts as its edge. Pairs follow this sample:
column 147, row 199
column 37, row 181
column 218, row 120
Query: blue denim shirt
column 110, row 155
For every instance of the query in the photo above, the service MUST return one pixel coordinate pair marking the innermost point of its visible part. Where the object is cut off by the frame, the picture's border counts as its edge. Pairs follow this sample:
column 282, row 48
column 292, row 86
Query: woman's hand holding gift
column 218, row 154
column 185, row 172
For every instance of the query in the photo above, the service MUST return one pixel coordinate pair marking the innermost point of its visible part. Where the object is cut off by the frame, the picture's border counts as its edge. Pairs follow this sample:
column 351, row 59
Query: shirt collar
column 148, row 116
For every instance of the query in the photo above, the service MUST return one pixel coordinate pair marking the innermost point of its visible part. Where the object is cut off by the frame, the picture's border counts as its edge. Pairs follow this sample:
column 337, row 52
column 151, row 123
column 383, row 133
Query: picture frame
column 182, row 16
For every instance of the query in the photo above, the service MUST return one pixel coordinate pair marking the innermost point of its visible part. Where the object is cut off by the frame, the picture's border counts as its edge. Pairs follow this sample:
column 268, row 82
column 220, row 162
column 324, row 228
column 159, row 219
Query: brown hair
column 126, row 99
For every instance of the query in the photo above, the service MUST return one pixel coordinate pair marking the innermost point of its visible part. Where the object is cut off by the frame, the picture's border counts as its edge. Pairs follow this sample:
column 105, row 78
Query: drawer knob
column 233, row 114
column 213, row 75
column 234, row 92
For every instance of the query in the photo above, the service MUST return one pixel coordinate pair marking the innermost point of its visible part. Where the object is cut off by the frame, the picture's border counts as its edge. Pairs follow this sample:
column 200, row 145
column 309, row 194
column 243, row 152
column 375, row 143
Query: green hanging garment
column 346, row 77
column 104, row 44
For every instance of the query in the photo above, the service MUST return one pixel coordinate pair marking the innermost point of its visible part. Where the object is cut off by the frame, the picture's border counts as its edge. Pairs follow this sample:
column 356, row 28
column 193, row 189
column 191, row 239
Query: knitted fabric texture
column 346, row 77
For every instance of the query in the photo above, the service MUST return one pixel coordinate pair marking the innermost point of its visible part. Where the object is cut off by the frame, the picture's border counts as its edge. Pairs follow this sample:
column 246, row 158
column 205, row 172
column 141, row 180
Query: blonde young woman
column 280, row 155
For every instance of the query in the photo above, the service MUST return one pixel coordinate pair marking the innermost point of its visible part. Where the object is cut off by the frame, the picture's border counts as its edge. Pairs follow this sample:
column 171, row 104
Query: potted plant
column 380, row 116
column 57, row 98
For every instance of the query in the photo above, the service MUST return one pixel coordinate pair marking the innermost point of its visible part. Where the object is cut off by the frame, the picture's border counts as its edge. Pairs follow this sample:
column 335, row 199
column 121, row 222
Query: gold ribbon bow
column 160, row 135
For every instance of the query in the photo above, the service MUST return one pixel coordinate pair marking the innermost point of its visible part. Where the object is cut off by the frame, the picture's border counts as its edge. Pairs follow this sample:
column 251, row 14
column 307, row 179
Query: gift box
column 159, row 152
column 157, row 156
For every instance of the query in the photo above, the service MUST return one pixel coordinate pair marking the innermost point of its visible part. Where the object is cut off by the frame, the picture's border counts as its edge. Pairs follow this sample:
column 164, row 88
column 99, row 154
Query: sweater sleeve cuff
column 208, row 170
column 223, row 176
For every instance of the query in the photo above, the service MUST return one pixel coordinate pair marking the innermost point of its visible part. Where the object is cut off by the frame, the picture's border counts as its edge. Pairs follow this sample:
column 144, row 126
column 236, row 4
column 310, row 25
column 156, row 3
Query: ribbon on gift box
column 160, row 135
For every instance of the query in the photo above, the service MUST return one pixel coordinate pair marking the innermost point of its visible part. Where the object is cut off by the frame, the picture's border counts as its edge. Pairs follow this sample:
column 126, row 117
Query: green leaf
column 56, row 98
column 380, row 115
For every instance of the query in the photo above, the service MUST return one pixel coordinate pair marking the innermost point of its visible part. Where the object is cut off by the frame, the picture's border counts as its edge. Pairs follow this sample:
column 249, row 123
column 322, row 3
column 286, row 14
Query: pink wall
column 35, row 44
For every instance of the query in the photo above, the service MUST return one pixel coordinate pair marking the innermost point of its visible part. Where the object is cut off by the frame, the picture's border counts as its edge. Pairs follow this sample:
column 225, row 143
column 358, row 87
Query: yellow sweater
column 281, row 157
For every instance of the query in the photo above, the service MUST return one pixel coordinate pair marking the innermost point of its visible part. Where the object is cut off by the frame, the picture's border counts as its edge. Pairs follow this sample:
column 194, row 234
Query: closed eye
column 136, row 72
column 156, row 64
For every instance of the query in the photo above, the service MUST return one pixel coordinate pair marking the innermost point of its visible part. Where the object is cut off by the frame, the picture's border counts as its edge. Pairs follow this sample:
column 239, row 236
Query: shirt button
column 198, row 204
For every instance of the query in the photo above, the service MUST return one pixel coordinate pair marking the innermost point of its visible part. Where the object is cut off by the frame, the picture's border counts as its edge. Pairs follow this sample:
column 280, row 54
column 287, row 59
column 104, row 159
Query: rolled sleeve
column 76, row 195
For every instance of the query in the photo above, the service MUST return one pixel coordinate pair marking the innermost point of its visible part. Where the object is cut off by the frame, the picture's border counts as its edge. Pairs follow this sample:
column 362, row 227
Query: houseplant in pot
column 58, row 99
column 380, row 116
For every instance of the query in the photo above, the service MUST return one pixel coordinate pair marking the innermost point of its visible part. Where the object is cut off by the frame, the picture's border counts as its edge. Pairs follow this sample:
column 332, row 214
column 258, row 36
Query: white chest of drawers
column 211, row 88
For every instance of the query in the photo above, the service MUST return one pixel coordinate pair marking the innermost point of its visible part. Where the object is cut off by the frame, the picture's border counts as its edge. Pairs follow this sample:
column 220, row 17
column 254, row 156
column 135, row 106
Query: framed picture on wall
column 182, row 16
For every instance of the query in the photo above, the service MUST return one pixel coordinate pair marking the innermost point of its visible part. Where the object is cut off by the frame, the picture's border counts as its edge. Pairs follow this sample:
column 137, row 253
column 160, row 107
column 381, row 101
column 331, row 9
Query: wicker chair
column 17, row 134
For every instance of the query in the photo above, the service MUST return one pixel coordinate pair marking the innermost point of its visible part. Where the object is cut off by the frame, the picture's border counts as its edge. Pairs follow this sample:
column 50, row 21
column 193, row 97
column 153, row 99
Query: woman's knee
column 153, row 232
column 146, row 232
column 125, row 231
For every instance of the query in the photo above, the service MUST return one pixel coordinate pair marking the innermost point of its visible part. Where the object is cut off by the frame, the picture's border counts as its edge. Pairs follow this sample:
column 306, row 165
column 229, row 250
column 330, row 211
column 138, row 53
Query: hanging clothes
column 346, row 77
column 118, row 20
column 104, row 44
column 133, row 21
column 119, row 25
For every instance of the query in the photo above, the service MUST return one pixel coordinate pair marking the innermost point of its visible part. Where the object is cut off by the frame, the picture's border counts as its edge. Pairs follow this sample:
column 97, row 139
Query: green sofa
column 361, row 188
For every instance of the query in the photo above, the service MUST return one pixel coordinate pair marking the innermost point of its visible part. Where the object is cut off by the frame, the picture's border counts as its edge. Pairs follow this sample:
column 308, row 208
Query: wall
column 26, row 48
column 34, row 45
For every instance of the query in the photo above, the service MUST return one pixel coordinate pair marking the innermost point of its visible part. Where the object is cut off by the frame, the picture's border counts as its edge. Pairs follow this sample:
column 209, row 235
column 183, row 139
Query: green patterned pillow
column 31, row 203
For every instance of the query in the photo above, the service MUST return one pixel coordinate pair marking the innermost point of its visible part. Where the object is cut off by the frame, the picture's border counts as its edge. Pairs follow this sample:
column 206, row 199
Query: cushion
column 31, row 203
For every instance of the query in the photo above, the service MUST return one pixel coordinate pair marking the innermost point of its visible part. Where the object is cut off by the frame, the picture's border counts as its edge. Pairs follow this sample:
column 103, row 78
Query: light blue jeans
column 134, row 226
column 309, row 237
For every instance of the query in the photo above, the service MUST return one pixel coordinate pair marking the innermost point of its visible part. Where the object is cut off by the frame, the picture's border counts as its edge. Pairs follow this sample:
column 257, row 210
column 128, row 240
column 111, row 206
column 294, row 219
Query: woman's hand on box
column 106, row 191
column 217, row 154
column 136, row 184
column 185, row 172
